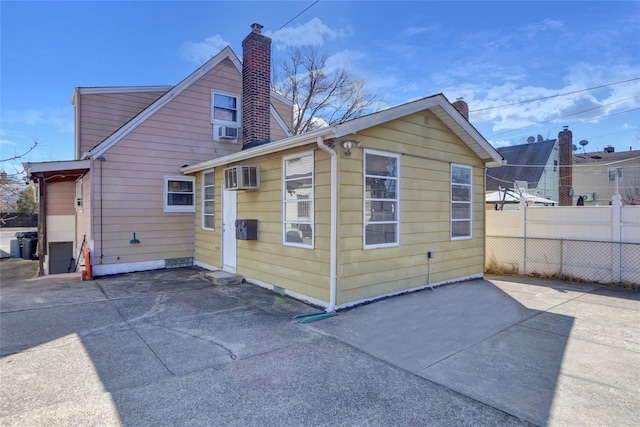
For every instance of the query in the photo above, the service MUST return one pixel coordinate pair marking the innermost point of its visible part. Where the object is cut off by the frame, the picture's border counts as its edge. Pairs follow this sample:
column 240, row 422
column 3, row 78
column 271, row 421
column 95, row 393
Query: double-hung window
column 381, row 199
column 298, row 199
column 179, row 194
column 208, row 200
column 461, row 202
column 613, row 172
column 225, row 109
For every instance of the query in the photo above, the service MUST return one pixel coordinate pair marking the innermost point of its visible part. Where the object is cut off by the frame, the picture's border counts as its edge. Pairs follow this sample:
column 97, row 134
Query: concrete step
column 222, row 278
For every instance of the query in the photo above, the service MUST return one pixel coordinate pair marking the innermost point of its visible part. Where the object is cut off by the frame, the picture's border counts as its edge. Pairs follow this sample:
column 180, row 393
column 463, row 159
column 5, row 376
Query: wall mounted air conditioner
column 242, row 178
column 589, row 197
column 227, row 133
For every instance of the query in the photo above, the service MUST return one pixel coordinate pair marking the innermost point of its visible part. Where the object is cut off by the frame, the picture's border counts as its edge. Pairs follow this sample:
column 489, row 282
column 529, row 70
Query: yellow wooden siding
column 300, row 270
column 178, row 134
column 427, row 148
column 208, row 243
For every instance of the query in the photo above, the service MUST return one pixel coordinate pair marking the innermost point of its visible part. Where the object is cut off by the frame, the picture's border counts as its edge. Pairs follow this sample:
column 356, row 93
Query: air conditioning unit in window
column 242, row 178
column 227, row 132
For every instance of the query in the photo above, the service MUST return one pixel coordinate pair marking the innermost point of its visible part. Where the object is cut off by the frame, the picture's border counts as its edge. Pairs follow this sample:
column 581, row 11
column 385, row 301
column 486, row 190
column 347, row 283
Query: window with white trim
column 381, row 199
column 461, row 202
column 225, row 109
column 612, row 174
column 297, row 199
column 179, row 194
column 208, row 200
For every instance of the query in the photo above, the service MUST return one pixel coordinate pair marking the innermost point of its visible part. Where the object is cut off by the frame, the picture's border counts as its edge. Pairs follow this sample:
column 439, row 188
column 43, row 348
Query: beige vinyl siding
column 180, row 133
column 60, row 198
column 286, row 113
column 100, row 115
column 428, row 148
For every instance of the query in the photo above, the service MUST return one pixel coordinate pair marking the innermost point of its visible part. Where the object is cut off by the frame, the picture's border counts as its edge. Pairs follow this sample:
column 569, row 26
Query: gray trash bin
column 15, row 249
column 30, row 239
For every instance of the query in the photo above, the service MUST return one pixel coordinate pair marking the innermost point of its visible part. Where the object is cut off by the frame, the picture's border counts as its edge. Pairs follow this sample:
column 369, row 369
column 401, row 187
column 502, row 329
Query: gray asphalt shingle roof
column 525, row 162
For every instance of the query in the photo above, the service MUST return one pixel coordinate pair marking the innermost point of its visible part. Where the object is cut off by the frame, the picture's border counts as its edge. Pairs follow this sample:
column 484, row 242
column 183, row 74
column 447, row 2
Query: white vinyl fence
column 593, row 243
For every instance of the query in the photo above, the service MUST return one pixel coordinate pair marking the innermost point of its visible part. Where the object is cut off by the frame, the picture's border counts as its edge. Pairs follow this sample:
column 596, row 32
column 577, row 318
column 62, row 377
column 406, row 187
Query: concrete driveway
column 167, row 348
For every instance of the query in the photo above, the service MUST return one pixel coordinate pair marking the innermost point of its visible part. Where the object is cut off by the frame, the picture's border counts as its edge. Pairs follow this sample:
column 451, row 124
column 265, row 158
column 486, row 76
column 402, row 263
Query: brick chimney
column 462, row 107
column 256, row 88
column 565, row 141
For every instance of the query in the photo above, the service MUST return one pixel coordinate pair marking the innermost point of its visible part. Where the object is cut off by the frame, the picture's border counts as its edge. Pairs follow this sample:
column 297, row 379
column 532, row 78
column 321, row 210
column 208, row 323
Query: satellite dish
column 584, row 142
column 531, row 140
column 575, row 147
column 540, row 138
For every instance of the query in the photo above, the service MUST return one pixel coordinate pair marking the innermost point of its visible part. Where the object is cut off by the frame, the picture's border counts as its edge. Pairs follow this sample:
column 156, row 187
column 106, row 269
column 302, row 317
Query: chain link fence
column 581, row 260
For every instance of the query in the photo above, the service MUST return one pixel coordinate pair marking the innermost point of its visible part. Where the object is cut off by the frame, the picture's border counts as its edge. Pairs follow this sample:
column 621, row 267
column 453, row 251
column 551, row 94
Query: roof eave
column 261, row 150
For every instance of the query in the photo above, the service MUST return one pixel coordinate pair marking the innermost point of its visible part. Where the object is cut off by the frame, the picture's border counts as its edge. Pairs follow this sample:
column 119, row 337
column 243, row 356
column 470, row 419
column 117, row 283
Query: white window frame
column 204, row 199
column 368, row 198
column 310, row 201
column 179, row 208
column 469, row 202
column 612, row 174
column 238, row 122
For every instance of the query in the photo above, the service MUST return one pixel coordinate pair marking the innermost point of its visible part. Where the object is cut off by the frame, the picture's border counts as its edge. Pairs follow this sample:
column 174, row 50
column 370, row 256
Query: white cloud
column 60, row 118
column 201, row 52
column 312, row 33
column 342, row 59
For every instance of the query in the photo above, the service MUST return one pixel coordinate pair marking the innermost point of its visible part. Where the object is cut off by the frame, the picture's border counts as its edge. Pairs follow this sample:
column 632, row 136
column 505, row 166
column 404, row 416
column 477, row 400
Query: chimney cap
column 257, row 28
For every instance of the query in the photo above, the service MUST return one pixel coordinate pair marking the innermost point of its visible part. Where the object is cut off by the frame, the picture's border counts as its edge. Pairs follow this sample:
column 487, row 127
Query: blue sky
column 494, row 54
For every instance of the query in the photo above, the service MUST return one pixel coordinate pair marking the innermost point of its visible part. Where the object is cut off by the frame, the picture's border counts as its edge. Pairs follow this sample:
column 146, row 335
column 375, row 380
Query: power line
column 555, row 96
column 575, row 114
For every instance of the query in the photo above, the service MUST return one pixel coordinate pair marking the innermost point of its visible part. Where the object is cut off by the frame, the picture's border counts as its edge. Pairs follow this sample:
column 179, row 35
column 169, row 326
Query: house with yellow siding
column 376, row 206
column 208, row 173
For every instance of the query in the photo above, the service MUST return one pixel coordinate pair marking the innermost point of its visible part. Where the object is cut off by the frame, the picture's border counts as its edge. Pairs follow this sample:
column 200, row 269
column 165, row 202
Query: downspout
column 42, row 223
column 333, row 271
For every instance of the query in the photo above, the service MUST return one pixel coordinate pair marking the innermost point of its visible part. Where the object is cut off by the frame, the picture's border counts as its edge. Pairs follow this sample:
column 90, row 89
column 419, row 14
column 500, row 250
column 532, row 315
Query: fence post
column 616, row 236
column 523, row 207
column 561, row 258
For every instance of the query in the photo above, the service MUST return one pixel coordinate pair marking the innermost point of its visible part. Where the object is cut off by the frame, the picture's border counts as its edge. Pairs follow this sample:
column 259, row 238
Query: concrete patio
column 168, row 348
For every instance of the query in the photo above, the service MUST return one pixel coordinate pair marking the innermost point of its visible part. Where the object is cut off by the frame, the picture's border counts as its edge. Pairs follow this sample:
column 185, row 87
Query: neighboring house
column 539, row 164
column 124, row 196
column 598, row 175
column 351, row 212
column 379, row 205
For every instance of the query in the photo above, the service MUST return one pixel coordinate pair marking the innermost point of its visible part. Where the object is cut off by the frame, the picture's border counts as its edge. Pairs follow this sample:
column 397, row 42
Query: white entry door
column 229, row 243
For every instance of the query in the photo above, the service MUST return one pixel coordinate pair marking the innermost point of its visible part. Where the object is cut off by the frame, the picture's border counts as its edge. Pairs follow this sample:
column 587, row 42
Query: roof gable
column 225, row 53
column 438, row 104
column 525, row 162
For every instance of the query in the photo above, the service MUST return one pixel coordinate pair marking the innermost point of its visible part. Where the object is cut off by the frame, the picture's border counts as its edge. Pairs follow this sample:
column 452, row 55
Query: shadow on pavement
column 166, row 348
